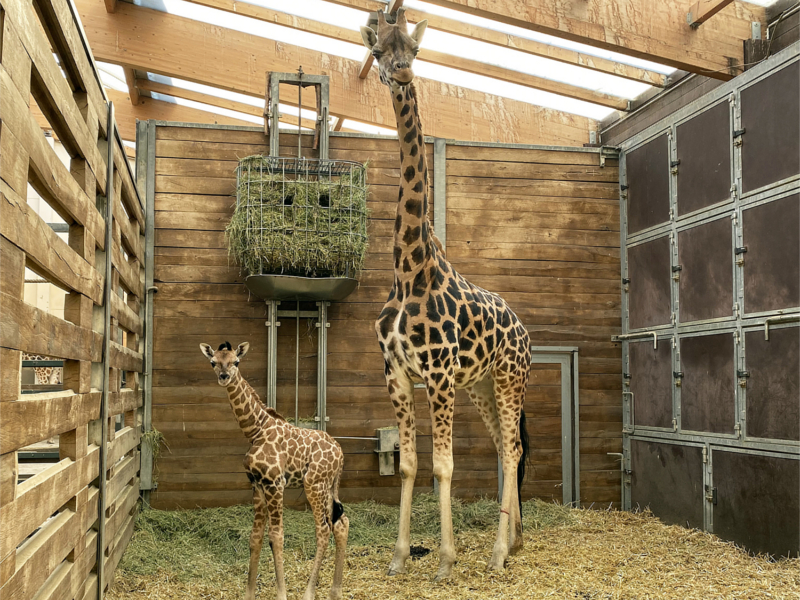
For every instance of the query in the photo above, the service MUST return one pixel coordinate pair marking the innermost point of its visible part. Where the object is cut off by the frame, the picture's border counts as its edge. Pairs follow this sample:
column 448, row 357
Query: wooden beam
column 449, row 111
column 111, row 5
column 649, row 29
column 339, row 123
column 216, row 101
column 513, row 42
column 440, row 58
column 130, row 79
column 127, row 114
column 702, row 10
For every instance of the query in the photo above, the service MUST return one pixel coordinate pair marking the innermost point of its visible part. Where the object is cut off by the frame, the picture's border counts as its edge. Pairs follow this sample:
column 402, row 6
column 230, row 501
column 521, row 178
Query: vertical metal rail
column 146, row 161
column 103, row 459
column 322, row 367
column 272, row 353
column 440, row 190
column 297, row 368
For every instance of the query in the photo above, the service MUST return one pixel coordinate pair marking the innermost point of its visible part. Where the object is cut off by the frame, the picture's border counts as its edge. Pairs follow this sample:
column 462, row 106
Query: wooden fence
column 63, row 530
column 539, row 226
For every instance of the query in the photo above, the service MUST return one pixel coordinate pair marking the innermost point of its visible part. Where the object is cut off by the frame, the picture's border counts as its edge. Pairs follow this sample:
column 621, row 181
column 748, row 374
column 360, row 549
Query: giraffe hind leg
column 319, row 497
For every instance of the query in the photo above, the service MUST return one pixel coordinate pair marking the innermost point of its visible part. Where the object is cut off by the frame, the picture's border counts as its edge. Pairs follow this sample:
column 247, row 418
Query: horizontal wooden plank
column 522, row 187
column 42, row 496
column 20, row 224
column 32, row 420
column 522, row 155
column 27, row 328
column 531, row 171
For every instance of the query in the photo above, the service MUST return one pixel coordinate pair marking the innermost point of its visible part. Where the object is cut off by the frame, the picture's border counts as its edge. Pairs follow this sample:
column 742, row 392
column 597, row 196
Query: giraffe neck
column 413, row 246
column 252, row 416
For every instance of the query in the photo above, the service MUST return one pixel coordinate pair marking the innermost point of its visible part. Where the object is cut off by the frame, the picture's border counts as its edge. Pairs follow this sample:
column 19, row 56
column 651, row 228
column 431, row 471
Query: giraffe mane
column 274, row 413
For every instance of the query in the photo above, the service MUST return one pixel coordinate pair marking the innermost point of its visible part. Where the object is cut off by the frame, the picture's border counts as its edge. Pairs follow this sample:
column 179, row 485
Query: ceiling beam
column 111, row 5
column 702, row 10
column 513, row 42
column 215, row 101
column 238, row 62
column 649, row 29
column 439, row 58
column 130, row 79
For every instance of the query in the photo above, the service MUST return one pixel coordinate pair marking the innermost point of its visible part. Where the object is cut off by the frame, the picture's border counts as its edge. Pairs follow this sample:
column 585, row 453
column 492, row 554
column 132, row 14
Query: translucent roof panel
column 352, row 19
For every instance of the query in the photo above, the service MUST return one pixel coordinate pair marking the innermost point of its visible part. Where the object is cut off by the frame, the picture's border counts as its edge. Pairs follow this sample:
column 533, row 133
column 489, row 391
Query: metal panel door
column 648, row 185
column 771, row 126
column 705, row 254
column 651, row 384
column 649, row 286
column 704, row 157
column 757, row 500
column 773, row 383
column 668, row 479
column 771, row 235
column 708, row 388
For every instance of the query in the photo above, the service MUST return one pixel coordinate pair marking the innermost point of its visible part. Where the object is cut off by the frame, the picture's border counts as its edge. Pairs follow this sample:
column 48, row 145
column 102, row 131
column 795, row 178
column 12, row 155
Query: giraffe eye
column 236, row 364
column 213, row 363
column 377, row 53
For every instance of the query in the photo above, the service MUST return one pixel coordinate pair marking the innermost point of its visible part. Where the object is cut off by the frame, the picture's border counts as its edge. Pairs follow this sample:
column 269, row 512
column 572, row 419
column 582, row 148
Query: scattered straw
column 298, row 225
column 576, row 554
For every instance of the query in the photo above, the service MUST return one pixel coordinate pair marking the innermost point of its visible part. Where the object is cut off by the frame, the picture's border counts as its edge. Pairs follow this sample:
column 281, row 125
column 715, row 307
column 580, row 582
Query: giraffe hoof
column 441, row 577
column 515, row 549
column 393, row 572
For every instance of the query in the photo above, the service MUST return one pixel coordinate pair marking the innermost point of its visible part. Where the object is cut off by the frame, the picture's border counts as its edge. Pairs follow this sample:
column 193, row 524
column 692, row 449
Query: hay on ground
column 568, row 553
column 307, row 225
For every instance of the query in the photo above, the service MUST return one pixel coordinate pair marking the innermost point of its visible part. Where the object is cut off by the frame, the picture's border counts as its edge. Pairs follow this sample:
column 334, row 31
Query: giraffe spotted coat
column 284, row 456
column 438, row 328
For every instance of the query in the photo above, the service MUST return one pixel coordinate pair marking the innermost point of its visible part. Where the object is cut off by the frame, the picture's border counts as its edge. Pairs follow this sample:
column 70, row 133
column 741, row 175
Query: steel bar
column 103, row 457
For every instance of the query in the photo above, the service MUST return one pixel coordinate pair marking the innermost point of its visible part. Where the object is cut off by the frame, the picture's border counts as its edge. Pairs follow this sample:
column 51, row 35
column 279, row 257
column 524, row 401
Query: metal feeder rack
column 277, row 289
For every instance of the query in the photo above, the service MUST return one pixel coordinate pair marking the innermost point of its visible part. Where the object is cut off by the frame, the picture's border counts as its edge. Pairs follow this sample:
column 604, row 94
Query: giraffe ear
column 419, row 31
column 369, row 37
column 242, row 349
column 207, row 350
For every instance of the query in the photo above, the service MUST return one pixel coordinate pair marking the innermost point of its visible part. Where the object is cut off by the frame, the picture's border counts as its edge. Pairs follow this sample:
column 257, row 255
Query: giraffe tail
column 523, row 461
column 338, row 508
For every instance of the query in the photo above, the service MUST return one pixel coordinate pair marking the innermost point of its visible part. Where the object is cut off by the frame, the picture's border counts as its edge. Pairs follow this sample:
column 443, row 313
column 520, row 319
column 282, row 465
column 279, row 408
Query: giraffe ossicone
column 284, row 456
column 438, row 328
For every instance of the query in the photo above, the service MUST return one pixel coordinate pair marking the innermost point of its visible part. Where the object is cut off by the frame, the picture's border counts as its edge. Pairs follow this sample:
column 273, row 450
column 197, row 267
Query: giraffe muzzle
column 403, row 76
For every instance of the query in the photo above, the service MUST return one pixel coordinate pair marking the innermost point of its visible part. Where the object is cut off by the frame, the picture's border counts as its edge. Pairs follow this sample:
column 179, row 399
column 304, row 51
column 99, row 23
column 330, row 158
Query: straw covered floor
column 568, row 553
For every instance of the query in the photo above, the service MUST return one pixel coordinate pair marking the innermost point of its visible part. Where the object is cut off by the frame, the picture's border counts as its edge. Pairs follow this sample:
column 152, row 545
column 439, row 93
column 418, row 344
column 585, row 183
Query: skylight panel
column 367, row 128
column 227, row 95
column 207, row 108
column 112, row 76
column 356, row 52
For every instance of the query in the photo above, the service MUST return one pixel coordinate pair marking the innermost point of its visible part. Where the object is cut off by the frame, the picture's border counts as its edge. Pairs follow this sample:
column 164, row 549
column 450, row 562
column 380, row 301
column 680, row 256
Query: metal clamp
column 778, row 319
column 388, row 443
column 633, row 336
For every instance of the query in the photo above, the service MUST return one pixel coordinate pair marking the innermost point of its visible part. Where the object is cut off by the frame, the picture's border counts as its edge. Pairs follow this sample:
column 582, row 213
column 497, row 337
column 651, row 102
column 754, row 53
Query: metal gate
column 710, row 233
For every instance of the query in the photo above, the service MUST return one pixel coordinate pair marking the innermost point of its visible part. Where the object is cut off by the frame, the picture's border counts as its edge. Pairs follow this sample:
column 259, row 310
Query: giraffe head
column 394, row 48
column 225, row 360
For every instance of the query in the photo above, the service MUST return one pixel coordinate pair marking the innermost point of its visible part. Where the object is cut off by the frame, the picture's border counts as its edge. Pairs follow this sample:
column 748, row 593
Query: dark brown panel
column 668, row 479
column 772, row 263
column 651, row 383
column 704, row 149
column 706, row 283
column 647, row 171
column 649, row 290
column 708, row 385
column 771, row 119
column 758, row 501
column 773, row 388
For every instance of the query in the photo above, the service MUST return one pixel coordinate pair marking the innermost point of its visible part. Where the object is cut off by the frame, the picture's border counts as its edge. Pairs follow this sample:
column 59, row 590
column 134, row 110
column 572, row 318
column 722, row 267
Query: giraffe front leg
column 319, row 498
column 441, row 401
column 256, row 541
column 401, row 392
column 273, row 496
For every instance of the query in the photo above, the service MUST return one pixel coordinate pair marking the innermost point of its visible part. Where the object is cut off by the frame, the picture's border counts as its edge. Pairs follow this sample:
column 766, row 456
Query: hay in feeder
column 306, row 224
column 568, row 553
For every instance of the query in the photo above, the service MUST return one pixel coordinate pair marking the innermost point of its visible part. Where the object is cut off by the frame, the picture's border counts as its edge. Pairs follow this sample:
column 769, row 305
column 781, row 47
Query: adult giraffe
column 438, row 328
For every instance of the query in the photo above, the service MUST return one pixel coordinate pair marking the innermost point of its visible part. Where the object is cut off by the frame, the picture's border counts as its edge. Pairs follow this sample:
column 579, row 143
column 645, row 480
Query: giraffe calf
column 284, row 456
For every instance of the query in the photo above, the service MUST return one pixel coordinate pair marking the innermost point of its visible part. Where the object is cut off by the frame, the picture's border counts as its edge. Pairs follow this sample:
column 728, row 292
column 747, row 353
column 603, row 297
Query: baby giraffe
column 283, row 456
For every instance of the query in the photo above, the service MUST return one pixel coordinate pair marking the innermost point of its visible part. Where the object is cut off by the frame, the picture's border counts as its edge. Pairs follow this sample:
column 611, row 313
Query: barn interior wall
column 540, row 227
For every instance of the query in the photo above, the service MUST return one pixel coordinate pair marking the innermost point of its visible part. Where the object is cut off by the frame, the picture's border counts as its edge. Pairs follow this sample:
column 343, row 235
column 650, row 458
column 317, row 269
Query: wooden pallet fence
column 63, row 531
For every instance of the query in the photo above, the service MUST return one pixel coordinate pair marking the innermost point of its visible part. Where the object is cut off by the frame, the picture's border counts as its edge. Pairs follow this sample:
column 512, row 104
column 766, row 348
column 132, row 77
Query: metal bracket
column 388, row 443
column 778, row 319
column 633, row 336
column 711, row 495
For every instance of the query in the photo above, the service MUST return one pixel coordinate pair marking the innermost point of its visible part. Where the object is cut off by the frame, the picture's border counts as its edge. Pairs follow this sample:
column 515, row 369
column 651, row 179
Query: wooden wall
column 53, row 543
column 557, row 264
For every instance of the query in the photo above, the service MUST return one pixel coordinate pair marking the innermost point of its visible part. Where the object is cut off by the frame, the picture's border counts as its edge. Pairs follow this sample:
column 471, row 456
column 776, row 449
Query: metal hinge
column 676, row 270
column 711, row 495
column 737, row 137
column 674, row 424
column 738, row 430
column 674, row 166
